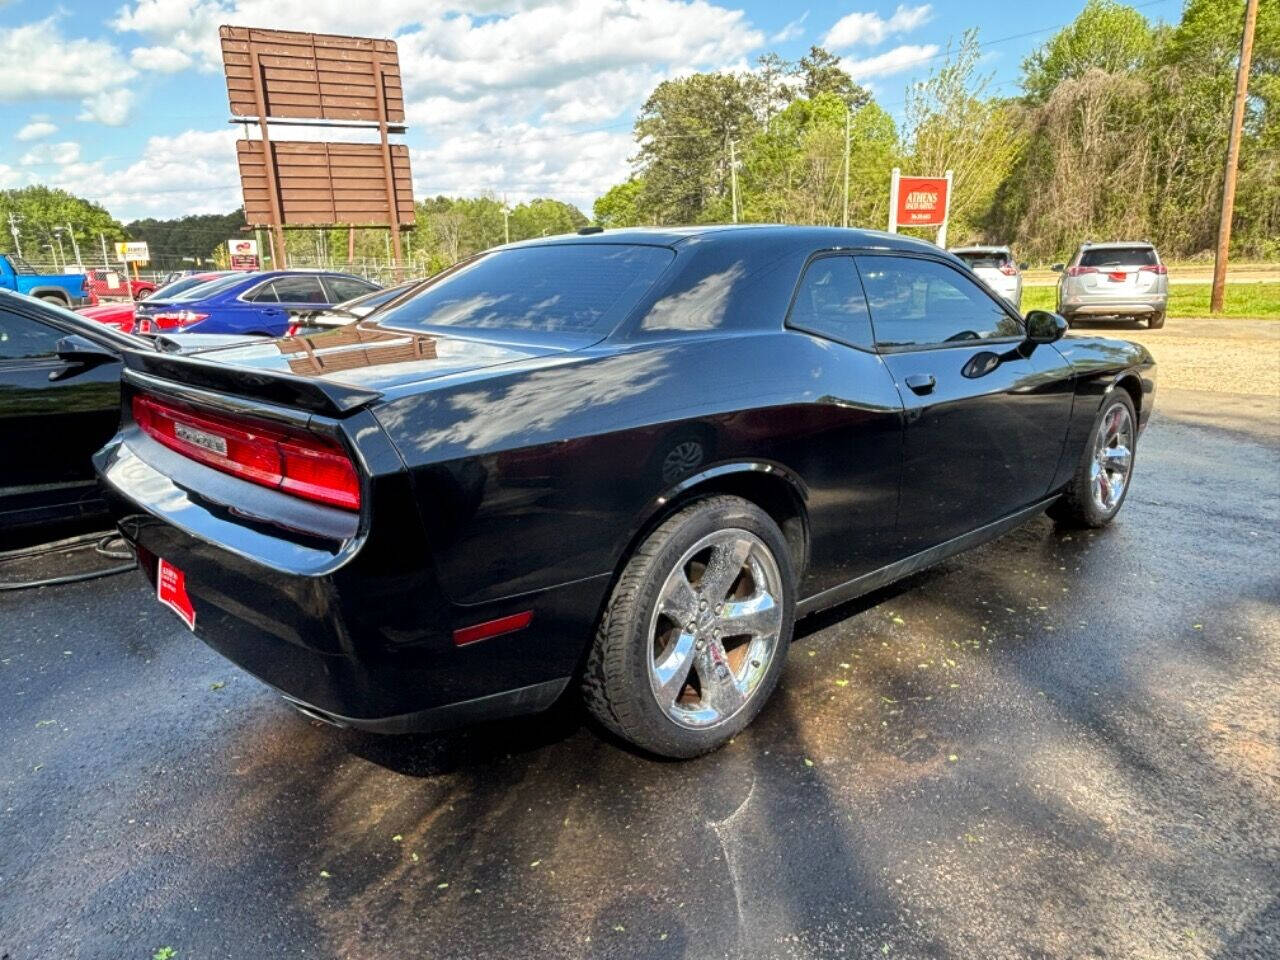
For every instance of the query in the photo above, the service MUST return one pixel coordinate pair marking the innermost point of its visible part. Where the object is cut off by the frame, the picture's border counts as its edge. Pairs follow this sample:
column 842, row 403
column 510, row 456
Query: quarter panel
column 539, row 476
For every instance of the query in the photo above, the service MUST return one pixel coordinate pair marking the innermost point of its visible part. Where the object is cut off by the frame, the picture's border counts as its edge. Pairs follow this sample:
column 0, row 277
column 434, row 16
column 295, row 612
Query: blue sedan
column 248, row 303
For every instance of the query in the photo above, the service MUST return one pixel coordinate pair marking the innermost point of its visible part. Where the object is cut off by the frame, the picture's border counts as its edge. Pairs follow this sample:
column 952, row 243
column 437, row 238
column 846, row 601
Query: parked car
column 65, row 289
column 111, row 284
column 996, row 268
column 248, row 303
column 625, row 462
column 1114, row 280
column 121, row 314
column 59, row 403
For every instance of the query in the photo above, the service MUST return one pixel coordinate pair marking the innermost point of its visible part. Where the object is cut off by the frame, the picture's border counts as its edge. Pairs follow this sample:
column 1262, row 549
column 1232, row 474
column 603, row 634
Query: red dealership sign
column 922, row 201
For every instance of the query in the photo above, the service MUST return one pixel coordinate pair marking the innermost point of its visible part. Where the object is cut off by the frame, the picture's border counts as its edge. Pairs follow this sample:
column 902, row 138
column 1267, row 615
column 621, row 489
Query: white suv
column 996, row 268
column 1114, row 280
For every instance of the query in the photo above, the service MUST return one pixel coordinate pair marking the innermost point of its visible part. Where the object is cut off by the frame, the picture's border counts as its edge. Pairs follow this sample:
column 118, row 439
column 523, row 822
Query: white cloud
column 59, row 154
column 870, row 29
column 37, row 61
column 160, row 59
column 897, row 60
column 110, row 107
column 36, row 130
column 791, row 30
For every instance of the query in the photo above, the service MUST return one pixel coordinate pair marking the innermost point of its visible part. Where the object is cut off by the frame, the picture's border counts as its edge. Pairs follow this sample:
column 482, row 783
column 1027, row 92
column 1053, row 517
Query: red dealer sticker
column 171, row 590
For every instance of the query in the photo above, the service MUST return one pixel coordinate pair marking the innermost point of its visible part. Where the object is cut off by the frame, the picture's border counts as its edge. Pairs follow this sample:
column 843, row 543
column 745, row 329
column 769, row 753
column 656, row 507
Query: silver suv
column 996, row 268
column 1114, row 280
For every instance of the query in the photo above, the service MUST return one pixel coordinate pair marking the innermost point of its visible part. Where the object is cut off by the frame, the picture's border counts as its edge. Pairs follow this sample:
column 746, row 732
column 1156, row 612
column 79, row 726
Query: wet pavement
column 1060, row 745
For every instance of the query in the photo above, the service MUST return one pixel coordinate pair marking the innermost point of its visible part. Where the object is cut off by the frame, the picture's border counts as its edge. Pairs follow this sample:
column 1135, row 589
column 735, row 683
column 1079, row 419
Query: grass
column 1243, row 300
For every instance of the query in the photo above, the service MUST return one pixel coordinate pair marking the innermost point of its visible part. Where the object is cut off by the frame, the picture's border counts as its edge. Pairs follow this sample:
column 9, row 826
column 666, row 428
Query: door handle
column 921, row 383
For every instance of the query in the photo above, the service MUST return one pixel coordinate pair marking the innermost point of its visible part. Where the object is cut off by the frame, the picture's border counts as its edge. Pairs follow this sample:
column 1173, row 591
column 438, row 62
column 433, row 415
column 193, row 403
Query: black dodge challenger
column 625, row 461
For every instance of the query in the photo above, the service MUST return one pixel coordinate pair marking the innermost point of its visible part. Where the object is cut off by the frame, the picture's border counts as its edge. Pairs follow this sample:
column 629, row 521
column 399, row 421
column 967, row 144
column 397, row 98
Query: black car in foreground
column 625, row 461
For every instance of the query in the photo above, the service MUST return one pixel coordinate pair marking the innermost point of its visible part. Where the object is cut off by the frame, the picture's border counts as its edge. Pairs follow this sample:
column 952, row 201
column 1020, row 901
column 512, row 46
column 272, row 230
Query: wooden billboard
column 325, row 184
column 283, row 76
column 312, row 76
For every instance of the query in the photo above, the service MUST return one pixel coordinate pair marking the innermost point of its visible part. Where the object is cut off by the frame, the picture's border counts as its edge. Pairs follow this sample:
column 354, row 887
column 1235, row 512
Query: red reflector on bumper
column 493, row 628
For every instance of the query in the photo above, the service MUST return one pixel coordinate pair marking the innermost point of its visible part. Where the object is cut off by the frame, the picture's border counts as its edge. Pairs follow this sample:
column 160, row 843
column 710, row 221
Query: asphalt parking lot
column 1061, row 745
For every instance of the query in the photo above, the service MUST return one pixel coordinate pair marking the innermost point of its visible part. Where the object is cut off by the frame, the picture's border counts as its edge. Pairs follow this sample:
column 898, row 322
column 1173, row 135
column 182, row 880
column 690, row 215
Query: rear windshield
column 563, row 288
column 179, row 285
column 1119, row 257
column 992, row 260
column 206, row 289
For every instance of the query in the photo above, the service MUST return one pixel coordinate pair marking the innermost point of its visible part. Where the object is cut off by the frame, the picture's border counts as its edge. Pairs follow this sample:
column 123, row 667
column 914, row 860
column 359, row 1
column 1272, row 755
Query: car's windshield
column 1118, row 257
column 583, row 289
column 170, row 290
column 203, row 290
column 993, row 261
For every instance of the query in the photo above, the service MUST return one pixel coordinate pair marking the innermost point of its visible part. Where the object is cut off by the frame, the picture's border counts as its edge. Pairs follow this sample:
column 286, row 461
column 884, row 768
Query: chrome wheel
column 1112, row 458
column 715, row 628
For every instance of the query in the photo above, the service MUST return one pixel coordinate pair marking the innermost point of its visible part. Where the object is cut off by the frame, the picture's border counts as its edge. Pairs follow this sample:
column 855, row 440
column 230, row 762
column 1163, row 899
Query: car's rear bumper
column 1103, row 306
column 357, row 631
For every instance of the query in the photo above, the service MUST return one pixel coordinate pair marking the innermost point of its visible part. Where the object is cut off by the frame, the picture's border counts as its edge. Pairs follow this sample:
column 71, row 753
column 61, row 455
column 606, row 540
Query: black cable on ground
column 105, row 544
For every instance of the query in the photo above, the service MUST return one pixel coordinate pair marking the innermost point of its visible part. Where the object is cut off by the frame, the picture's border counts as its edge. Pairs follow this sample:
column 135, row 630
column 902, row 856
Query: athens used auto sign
column 922, row 201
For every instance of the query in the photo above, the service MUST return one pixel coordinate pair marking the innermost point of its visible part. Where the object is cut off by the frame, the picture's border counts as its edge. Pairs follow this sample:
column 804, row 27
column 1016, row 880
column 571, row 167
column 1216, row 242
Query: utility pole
column 1233, row 159
column 13, row 229
column 844, row 221
column 106, row 260
column 506, row 220
column 733, row 179
column 75, row 246
column 62, row 257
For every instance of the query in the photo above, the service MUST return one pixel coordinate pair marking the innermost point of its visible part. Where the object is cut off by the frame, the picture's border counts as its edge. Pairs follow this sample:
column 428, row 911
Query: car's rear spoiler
column 284, row 389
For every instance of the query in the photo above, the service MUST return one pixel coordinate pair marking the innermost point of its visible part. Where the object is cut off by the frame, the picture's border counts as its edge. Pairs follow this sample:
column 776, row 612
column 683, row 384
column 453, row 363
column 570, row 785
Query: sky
column 126, row 104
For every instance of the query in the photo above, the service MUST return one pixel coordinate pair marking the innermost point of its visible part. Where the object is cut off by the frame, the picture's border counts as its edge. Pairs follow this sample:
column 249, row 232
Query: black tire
column 53, row 298
column 1155, row 321
column 1078, row 507
column 616, row 683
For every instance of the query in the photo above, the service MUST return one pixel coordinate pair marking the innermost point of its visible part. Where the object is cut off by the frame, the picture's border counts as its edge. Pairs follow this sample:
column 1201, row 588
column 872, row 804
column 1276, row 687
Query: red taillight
column 292, row 329
column 1009, row 270
column 1158, row 269
column 1080, row 271
column 295, row 461
column 175, row 320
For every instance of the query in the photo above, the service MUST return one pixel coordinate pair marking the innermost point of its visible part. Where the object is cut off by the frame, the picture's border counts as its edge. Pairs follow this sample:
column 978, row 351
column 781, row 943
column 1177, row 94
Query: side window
column 830, row 303
column 264, row 294
column 916, row 302
column 300, row 290
column 23, row 339
column 342, row 289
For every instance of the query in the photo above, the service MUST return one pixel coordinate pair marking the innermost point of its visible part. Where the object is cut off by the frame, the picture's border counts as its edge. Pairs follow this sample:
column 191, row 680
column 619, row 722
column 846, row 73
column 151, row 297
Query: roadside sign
column 920, row 202
column 134, row 251
column 244, row 254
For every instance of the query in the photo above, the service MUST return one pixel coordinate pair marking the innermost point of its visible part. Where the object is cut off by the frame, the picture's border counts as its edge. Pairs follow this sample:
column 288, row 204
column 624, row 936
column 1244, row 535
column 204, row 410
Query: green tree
column 684, row 130
column 820, row 72
column 620, row 205
column 1106, row 36
column 953, row 124
column 197, row 237
column 43, row 214
column 544, row 218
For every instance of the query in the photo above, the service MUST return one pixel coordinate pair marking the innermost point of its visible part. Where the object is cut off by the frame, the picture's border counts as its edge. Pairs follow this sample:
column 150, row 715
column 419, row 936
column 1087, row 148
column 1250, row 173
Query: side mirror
column 1045, row 327
column 78, row 349
column 1024, row 265
column 1058, row 267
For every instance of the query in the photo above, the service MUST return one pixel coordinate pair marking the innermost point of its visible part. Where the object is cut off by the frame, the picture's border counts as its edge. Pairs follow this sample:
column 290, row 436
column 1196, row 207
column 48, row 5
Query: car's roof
column 978, row 248
column 797, row 236
column 1112, row 244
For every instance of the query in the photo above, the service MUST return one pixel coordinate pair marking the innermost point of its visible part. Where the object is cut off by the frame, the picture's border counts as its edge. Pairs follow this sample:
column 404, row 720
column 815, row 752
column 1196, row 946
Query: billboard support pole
column 393, row 205
column 893, row 200
column 279, row 259
column 946, row 216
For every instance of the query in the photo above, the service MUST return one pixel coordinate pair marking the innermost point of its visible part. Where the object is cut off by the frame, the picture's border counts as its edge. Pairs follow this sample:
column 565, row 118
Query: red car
column 101, row 285
column 120, row 314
